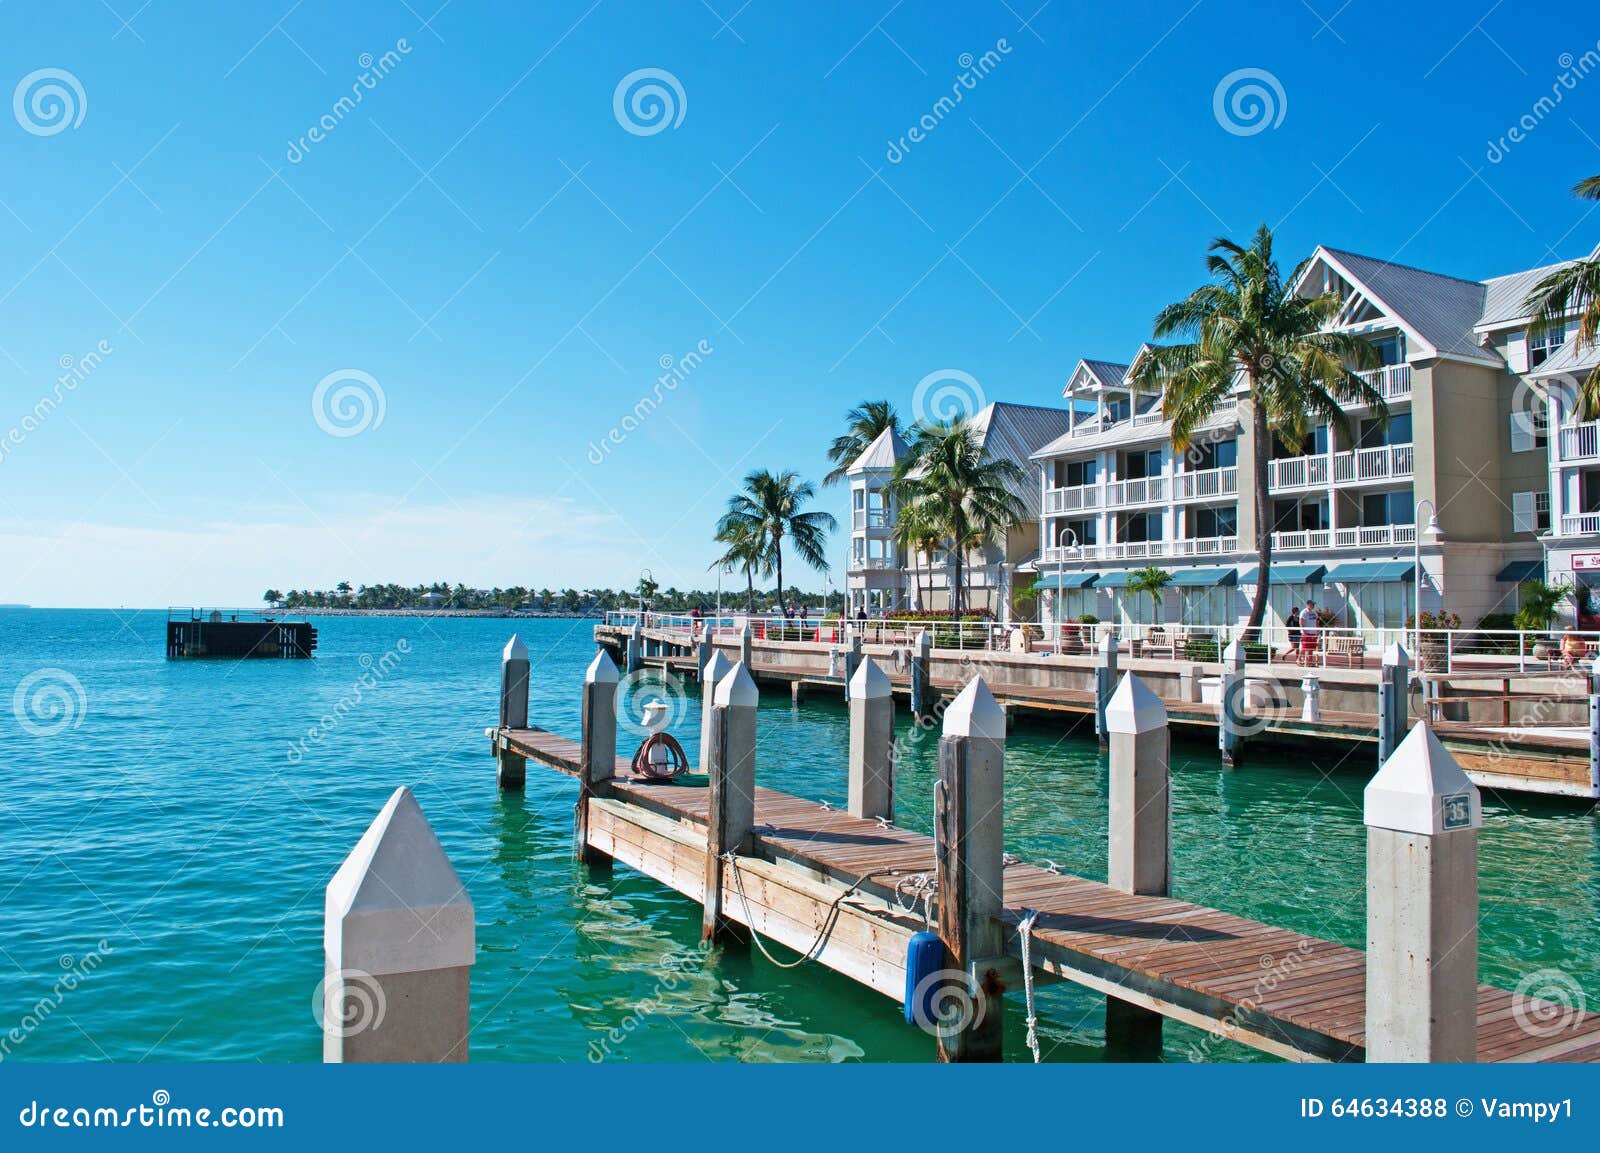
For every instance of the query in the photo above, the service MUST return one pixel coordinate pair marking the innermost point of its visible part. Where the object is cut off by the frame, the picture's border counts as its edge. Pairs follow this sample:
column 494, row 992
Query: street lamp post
column 1433, row 530
column 1060, row 573
column 645, row 576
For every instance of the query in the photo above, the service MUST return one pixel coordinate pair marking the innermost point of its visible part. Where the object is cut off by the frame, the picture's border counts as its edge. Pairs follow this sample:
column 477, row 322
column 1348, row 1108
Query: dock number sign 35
column 1458, row 811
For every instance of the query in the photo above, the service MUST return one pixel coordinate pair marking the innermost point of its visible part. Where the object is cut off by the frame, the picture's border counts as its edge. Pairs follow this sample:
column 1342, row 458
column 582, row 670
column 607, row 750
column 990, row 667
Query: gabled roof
column 1015, row 432
column 1505, row 305
column 880, row 454
column 1569, row 359
column 1437, row 312
column 1105, row 373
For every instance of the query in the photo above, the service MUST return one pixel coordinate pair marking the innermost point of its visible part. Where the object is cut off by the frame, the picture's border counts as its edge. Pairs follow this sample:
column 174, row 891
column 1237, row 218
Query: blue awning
column 1114, row 580
column 1197, row 578
column 1370, row 572
column 1287, row 574
column 1066, row 580
column 1521, row 570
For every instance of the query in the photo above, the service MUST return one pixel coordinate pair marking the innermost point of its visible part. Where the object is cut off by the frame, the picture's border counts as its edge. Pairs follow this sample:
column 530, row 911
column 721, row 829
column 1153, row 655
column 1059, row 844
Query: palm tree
column 272, row 597
column 1573, row 288
column 916, row 530
column 1249, row 323
column 1152, row 580
column 770, row 505
column 866, row 422
column 746, row 549
column 964, row 491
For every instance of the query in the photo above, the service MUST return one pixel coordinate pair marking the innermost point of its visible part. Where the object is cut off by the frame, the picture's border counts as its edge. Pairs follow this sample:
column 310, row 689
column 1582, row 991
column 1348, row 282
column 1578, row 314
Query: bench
column 1352, row 648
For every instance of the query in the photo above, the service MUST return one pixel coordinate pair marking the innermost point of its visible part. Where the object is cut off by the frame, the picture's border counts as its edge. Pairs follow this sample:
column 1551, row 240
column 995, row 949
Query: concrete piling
column 1394, row 688
column 1230, row 706
column 871, row 792
column 512, row 768
column 922, row 676
column 398, row 946
column 635, row 655
column 1311, row 706
column 1422, row 815
column 597, row 749
column 731, row 811
column 717, row 668
column 746, row 644
column 1105, row 682
column 852, row 660
column 970, row 818
column 1140, row 838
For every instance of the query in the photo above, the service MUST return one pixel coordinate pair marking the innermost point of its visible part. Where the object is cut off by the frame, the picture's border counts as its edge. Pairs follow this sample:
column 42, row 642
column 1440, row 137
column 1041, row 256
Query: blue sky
column 506, row 264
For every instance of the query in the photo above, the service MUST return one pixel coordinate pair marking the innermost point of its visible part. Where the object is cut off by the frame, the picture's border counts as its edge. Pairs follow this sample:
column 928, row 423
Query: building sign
column 1586, row 562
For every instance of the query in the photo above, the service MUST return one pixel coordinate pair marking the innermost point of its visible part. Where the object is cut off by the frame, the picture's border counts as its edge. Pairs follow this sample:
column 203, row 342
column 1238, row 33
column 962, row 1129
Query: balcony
column 1060, row 500
column 1581, row 441
column 1145, row 490
column 1364, row 536
column 1393, row 381
column 1583, row 524
column 1204, row 483
column 872, row 564
column 1142, row 550
column 1362, row 466
column 871, row 518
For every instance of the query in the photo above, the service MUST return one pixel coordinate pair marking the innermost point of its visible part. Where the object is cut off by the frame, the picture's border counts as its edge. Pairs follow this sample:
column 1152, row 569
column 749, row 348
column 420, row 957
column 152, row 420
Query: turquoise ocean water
column 167, row 828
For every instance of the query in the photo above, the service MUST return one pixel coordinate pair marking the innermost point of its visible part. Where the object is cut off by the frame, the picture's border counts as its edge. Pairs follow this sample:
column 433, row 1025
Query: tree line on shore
column 516, row 598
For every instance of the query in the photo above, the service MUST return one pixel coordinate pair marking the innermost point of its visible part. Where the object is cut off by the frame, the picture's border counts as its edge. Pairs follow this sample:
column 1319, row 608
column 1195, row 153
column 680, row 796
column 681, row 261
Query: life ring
column 660, row 758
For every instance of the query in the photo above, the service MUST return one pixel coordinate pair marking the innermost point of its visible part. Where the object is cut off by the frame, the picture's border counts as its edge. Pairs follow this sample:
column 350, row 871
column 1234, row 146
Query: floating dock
column 237, row 634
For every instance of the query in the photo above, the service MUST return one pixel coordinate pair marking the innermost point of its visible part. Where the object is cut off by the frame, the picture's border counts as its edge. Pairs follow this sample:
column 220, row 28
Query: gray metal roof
column 1015, row 432
column 1506, row 294
column 1443, row 309
column 1106, row 372
column 1127, row 433
column 1569, row 358
column 881, row 453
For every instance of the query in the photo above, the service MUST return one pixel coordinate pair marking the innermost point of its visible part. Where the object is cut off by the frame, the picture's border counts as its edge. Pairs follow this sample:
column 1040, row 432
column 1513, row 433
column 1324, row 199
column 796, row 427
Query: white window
column 1524, row 435
column 1530, row 511
column 1542, row 345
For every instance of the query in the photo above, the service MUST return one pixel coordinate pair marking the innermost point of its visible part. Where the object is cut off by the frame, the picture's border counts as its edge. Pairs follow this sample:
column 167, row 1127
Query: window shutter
column 1521, row 432
column 1517, row 351
column 1524, row 512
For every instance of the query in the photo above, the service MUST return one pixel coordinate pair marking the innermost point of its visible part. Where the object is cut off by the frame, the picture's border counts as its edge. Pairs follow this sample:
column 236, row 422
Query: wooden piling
column 398, row 946
column 716, row 669
column 852, row 660
column 511, row 767
column 1230, row 706
column 1140, row 838
column 971, row 818
column 871, row 785
column 1422, row 816
column 597, row 750
column 746, row 646
column 922, row 676
column 1394, row 687
column 1105, row 681
column 731, row 810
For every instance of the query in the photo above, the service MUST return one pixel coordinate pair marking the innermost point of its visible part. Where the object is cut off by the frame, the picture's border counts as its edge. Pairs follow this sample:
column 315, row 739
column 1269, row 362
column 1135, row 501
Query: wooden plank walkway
column 1273, row 989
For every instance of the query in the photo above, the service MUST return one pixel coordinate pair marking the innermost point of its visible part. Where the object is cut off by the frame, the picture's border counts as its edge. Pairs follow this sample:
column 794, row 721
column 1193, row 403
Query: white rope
column 1025, row 930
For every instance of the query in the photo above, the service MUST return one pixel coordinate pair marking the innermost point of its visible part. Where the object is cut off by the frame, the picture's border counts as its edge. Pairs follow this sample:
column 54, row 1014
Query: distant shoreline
column 488, row 613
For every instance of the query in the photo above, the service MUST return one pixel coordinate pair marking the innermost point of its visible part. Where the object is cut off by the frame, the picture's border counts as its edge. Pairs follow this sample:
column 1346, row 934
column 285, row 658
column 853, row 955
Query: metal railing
column 1580, row 524
column 1393, row 381
column 1360, row 536
column 1580, row 441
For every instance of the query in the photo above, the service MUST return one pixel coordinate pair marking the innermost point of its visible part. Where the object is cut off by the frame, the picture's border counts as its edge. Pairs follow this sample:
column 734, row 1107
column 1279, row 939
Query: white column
column 871, row 779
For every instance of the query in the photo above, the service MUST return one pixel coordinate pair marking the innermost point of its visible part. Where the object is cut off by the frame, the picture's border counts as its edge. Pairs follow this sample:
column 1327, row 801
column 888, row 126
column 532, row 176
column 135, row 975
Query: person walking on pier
column 1307, row 654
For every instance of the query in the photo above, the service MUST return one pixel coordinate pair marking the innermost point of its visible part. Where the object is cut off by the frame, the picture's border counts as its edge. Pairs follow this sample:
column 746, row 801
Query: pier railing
column 1436, row 650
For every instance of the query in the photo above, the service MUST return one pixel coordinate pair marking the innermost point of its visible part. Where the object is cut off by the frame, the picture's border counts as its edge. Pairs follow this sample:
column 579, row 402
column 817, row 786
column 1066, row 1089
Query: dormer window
column 1543, row 345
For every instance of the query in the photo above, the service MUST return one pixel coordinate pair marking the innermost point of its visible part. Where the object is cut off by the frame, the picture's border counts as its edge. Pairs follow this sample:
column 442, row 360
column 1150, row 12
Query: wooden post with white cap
column 597, row 748
column 1105, row 681
column 512, row 768
column 731, row 800
column 1422, row 815
column 1139, row 860
column 969, row 815
column 746, row 646
column 922, row 676
column 1394, row 687
column 717, row 668
column 1230, row 705
column 871, row 785
column 398, row 946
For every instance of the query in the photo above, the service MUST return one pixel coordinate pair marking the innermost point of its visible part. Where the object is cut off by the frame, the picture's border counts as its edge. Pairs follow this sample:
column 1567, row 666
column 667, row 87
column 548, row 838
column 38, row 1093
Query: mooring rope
column 1025, row 930
column 827, row 922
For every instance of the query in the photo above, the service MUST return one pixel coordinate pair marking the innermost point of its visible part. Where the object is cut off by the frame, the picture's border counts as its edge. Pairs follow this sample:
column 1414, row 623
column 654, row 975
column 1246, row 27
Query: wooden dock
column 800, row 883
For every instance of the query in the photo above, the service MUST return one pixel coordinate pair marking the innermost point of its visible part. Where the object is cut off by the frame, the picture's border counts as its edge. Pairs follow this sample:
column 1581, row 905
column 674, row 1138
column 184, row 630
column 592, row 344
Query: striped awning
column 1521, row 570
column 1196, row 578
column 1370, row 572
column 1066, row 580
column 1287, row 574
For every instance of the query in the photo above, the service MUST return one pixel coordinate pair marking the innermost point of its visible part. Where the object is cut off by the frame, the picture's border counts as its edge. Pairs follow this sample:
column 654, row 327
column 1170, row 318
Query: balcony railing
column 1144, row 490
column 1362, row 536
column 1206, row 482
column 1385, row 462
column 1583, row 524
column 1393, row 381
column 1580, row 441
column 1059, row 500
column 1298, row 472
column 871, row 518
column 1139, row 550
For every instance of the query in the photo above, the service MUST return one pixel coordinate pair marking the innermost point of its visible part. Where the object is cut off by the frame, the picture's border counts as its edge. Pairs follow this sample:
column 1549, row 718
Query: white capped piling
column 512, row 768
column 731, row 807
column 1105, row 682
column 717, row 667
column 871, row 792
column 1422, row 815
column 1594, row 732
column 922, row 676
column 398, row 946
column 746, row 645
column 852, row 660
column 1311, row 707
column 969, row 813
column 1140, row 837
column 1189, row 678
column 635, row 653
column 1394, row 688
column 597, row 747
column 702, row 654
column 1230, row 706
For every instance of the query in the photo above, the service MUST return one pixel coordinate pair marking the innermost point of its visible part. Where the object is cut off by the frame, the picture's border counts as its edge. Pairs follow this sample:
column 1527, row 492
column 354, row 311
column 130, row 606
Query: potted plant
column 1434, row 649
column 1536, row 612
column 1149, row 580
column 1085, row 632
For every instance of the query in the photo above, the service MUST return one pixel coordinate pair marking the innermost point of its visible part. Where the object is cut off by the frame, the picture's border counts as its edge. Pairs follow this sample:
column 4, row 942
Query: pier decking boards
column 1270, row 988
